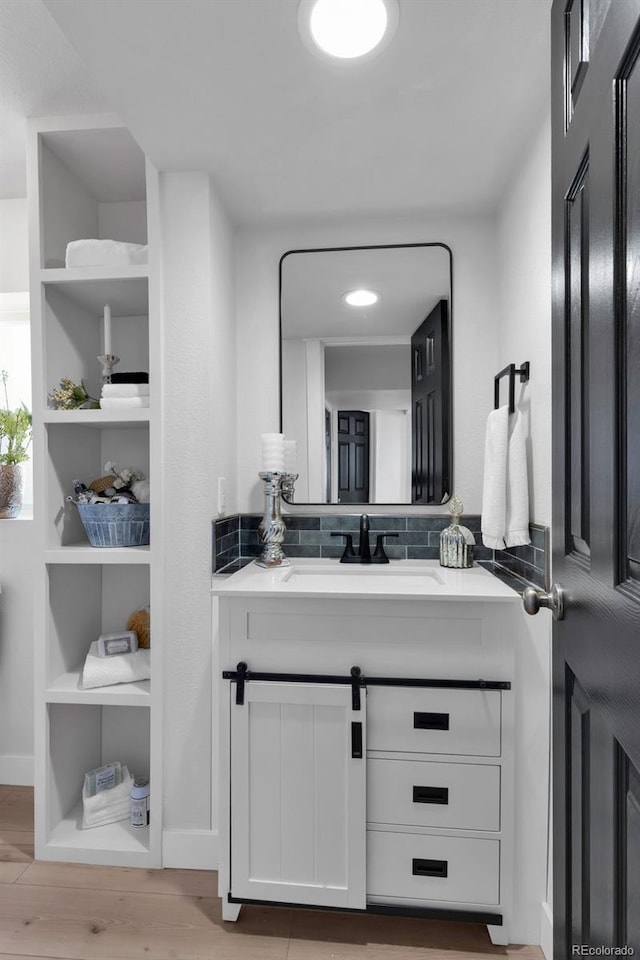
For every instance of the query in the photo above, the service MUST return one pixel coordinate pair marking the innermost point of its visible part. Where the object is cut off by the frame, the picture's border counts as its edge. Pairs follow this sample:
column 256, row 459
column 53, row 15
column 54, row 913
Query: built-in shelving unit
column 88, row 179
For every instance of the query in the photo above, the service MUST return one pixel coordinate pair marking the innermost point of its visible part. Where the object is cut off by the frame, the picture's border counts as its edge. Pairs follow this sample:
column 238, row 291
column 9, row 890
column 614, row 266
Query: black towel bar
column 512, row 372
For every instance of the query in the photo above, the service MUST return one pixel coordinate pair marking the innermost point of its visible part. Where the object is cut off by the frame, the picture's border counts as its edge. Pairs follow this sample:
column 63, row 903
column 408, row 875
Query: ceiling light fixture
column 347, row 29
column 361, row 298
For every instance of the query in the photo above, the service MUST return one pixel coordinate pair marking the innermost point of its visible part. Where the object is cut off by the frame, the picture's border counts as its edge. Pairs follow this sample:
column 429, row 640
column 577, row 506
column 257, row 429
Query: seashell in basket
column 101, row 484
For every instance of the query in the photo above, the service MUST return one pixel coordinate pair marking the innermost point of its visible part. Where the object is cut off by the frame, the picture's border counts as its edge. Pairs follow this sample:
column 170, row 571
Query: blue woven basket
column 115, row 524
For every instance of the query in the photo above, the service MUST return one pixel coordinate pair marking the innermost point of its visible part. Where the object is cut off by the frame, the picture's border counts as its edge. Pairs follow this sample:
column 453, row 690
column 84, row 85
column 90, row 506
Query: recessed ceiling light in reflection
column 361, row 298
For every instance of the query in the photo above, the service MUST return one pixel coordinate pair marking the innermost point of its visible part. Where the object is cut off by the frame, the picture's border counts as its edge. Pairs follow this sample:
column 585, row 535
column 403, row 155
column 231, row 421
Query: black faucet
column 364, row 551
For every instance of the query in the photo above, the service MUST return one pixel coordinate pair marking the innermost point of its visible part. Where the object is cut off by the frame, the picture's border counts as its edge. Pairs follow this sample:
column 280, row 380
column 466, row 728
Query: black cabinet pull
column 356, row 740
column 430, row 868
column 430, row 721
column 431, row 794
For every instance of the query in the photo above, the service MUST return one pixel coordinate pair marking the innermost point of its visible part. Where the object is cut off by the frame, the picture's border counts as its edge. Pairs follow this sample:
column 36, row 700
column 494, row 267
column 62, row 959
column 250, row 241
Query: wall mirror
column 365, row 390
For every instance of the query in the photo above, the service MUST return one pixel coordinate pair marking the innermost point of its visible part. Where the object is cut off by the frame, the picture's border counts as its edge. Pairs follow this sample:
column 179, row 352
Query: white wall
column 199, row 440
column 14, row 262
column 16, row 550
column 524, row 292
column 524, row 333
column 472, row 240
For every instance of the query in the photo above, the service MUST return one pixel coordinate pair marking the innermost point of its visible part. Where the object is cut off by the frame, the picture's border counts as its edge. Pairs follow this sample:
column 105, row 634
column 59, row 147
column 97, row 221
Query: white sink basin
column 353, row 572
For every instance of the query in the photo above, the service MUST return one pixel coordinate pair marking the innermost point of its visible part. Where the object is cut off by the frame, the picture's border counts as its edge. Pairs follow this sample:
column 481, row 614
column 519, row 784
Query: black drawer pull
column 431, row 794
column 356, row 740
column 430, row 721
column 430, row 868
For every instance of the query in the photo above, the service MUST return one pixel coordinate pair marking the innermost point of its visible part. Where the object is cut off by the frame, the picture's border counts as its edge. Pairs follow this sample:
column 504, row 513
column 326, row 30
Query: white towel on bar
column 103, row 253
column 108, row 806
column 123, row 403
column 494, row 488
column 517, row 513
column 116, row 390
column 122, row 668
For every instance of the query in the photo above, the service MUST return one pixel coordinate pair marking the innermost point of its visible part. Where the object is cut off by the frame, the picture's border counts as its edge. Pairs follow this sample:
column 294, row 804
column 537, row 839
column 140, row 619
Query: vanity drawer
column 422, row 793
column 427, row 720
column 416, row 867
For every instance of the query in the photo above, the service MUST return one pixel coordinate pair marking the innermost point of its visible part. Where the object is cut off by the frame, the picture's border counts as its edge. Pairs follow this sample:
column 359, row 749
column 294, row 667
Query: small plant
column 15, row 430
column 71, row 396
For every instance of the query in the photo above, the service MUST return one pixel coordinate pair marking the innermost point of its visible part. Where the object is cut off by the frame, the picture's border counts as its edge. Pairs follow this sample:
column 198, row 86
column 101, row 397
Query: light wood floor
column 73, row 912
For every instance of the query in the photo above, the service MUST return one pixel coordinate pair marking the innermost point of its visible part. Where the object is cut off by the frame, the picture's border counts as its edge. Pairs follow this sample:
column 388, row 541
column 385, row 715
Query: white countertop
column 398, row 580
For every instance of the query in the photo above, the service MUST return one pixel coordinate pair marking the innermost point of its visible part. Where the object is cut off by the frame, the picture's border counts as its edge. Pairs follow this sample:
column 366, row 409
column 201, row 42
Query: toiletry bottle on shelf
column 140, row 803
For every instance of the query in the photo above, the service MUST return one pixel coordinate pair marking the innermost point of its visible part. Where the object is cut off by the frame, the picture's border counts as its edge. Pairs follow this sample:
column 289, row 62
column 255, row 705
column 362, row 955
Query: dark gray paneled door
column 596, row 473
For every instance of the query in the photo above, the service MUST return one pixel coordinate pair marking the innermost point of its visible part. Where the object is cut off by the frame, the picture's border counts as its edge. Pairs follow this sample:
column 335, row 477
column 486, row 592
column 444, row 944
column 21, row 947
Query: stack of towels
column 107, row 806
column 125, row 394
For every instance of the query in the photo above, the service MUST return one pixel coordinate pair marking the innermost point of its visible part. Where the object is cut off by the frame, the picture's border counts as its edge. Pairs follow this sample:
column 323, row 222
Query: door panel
column 430, row 419
column 353, row 456
column 297, row 796
column 596, row 470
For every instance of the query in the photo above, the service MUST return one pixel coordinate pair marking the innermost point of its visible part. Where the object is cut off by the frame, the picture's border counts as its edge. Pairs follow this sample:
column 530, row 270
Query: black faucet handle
column 379, row 555
column 349, row 555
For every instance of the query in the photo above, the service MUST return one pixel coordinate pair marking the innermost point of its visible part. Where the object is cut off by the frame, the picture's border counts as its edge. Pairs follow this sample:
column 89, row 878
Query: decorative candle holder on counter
column 272, row 527
column 456, row 541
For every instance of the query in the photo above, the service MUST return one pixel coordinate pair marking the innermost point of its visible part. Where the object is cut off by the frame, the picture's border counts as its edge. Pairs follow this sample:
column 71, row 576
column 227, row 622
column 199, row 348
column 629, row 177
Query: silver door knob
column 533, row 599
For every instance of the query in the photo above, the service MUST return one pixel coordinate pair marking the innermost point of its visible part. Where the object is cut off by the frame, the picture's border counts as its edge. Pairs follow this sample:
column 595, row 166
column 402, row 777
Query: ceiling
column 40, row 75
column 436, row 122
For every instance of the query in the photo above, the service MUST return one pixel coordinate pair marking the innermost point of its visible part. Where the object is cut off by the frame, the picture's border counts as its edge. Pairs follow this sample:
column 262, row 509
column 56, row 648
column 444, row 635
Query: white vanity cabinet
column 388, row 792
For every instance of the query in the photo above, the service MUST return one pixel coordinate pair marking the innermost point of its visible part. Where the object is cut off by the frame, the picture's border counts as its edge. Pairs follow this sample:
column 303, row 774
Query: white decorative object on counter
column 456, row 541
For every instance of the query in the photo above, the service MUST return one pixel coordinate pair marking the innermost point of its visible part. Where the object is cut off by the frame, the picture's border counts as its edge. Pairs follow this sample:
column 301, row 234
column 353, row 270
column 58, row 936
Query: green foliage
column 15, row 430
column 71, row 396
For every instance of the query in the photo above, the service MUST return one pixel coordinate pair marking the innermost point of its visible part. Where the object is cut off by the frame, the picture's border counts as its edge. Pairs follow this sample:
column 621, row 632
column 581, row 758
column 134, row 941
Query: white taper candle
column 107, row 329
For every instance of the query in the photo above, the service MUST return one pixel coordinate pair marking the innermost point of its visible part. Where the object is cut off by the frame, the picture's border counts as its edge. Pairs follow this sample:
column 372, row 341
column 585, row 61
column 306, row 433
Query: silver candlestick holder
column 107, row 361
column 288, row 486
column 272, row 528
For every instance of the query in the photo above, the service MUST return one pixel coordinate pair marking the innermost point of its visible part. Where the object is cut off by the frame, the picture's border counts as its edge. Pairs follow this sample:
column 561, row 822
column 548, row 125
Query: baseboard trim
column 16, row 771
column 190, row 849
column 546, row 930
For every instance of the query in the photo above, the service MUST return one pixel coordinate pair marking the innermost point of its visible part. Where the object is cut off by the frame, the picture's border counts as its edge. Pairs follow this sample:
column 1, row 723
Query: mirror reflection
column 365, row 372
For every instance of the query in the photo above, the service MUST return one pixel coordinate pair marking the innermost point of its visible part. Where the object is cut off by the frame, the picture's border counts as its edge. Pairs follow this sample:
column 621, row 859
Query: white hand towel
column 124, row 403
column 108, row 805
column 494, row 489
column 125, row 390
column 102, row 253
column 517, row 487
column 123, row 668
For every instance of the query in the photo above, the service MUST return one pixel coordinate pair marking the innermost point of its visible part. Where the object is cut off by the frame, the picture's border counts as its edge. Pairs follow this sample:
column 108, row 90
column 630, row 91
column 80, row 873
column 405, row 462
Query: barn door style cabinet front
column 365, row 757
column 297, row 794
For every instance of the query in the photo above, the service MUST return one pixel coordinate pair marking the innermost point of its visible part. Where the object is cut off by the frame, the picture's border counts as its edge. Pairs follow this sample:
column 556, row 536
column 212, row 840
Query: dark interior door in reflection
column 353, row 456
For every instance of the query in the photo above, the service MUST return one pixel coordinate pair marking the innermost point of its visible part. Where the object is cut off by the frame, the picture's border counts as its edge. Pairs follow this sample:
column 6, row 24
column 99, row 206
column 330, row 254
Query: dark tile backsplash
column 235, row 540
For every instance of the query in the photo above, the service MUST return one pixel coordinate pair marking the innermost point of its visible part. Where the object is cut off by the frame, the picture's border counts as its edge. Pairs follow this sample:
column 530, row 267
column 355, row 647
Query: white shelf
column 99, row 418
column 85, row 553
column 117, row 844
column 67, row 689
column 125, row 289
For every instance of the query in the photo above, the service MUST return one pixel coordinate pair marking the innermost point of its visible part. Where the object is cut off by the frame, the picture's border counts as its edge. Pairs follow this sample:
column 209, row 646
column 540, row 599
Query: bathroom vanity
column 366, row 719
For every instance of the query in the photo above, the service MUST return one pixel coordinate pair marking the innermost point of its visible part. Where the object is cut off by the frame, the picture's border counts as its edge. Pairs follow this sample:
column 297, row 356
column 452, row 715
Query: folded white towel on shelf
column 124, row 668
column 103, row 253
column 116, row 390
column 108, row 806
column 123, row 403
column 517, row 514
column 494, row 488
